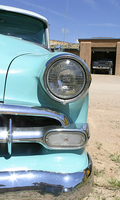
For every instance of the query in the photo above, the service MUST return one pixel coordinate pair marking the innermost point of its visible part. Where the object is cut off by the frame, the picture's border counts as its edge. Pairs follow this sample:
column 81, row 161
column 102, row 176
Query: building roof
column 99, row 39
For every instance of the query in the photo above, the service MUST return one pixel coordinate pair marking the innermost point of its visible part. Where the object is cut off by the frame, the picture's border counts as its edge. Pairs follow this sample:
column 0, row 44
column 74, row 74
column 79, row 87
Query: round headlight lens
column 65, row 79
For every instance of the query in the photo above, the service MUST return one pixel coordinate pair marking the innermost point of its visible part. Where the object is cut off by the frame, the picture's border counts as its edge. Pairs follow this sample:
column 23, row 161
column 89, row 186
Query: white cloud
column 115, row 3
column 76, row 41
column 92, row 3
column 65, row 30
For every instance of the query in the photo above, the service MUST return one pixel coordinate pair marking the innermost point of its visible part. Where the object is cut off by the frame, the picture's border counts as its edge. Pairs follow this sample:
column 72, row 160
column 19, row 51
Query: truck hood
column 11, row 48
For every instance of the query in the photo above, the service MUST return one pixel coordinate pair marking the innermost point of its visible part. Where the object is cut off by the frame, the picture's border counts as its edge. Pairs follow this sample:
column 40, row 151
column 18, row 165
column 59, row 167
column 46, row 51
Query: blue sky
column 85, row 18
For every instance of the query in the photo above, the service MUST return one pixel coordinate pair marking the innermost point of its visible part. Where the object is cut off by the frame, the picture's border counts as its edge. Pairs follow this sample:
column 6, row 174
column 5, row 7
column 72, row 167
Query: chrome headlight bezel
column 82, row 65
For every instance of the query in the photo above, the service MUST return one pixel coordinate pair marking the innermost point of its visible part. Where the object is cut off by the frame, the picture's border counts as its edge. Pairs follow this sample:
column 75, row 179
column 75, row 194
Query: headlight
column 66, row 78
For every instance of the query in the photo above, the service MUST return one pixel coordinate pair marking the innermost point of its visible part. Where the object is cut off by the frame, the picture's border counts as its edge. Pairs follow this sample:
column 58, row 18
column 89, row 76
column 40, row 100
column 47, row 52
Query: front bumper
column 49, row 182
column 101, row 68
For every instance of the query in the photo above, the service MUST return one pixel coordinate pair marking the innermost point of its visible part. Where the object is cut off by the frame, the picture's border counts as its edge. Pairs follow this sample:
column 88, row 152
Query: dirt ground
column 104, row 144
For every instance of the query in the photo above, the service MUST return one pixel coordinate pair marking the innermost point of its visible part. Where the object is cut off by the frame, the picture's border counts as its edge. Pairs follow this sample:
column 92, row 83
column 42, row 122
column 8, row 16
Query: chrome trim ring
column 49, row 182
column 79, row 61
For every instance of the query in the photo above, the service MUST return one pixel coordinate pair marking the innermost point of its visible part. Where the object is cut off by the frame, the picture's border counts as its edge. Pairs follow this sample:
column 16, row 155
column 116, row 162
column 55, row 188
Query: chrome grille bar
column 34, row 111
column 38, row 134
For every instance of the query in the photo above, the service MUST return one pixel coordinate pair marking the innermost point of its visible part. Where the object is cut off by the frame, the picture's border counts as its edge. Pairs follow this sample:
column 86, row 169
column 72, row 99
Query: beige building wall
column 117, row 71
column 85, row 52
column 86, row 46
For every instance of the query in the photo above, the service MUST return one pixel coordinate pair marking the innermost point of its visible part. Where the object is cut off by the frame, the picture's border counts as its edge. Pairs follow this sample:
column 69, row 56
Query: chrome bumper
column 49, row 182
column 100, row 68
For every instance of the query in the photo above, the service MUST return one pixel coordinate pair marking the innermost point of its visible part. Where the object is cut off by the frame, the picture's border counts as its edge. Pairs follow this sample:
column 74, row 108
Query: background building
column 68, row 47
column 94, row 49
column 100, row 48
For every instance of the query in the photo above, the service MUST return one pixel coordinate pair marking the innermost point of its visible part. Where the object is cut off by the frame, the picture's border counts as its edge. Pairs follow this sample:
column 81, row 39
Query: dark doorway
column 98, row 54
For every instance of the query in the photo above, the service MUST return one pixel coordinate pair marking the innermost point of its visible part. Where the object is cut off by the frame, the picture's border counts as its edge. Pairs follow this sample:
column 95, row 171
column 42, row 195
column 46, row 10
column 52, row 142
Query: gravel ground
column 103, row 146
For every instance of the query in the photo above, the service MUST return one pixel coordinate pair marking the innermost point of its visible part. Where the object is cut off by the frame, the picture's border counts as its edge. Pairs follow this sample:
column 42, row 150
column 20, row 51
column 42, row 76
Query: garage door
column 102, row 53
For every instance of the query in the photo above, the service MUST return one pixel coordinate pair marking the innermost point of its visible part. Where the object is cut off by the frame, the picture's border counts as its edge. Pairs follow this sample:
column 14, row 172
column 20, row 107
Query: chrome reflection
column 68, row 57
column 50, row 182
column 34, row 111
column 39, row 134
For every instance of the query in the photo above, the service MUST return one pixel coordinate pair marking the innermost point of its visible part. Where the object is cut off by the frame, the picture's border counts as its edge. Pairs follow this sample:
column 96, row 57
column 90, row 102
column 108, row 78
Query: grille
column 27, row 121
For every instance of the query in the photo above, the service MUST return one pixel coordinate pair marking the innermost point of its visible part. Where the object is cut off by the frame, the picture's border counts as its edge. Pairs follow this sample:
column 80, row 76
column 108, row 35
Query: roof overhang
column 100, row 40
